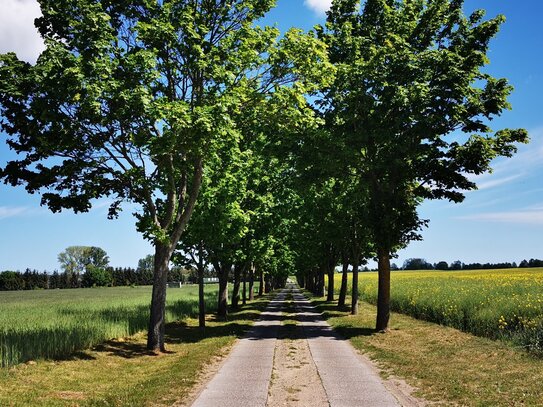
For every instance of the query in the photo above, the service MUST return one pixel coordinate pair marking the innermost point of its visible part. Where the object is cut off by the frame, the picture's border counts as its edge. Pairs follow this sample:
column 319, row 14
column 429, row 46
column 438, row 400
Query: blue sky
column 502, row 221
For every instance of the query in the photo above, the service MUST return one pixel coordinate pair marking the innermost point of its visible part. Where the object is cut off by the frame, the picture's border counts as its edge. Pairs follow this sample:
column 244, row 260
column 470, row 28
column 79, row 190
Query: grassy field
column 57, row 323
column 505, row 304
column 446, row 366
column 122, row 372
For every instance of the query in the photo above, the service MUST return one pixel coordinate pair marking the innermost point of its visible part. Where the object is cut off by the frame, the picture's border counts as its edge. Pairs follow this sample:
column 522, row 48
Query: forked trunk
column 383, row 294
column 354, row 304
column 343, row 289
column 157, row 323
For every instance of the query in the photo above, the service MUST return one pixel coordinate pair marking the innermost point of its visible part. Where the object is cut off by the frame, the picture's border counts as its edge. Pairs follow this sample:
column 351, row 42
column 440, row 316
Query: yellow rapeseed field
column 506, row 304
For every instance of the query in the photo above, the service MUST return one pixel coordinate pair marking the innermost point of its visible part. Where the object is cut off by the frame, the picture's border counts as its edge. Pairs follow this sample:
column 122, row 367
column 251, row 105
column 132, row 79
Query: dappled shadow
column 92, row 327
column 127, row 350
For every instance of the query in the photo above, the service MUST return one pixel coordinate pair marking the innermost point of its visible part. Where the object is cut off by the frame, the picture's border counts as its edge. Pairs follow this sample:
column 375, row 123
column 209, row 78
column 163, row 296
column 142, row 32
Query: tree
column 442, row 265
column 97, row 277
column 409, row 111
column 75, row 260
column 149, row 90
column 416, row 264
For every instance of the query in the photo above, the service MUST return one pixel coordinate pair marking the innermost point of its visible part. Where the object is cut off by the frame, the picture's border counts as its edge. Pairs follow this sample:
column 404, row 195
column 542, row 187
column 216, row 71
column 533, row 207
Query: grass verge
column 122, row 373
column 447, row 366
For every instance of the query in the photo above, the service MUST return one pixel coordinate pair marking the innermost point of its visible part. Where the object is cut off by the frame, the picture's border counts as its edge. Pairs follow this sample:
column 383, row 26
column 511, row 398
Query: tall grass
column 505, row 304
column 57, row 323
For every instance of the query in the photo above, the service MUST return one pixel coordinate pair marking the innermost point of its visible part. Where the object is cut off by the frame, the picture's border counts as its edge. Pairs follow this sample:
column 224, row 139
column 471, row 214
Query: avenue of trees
column 257, row 154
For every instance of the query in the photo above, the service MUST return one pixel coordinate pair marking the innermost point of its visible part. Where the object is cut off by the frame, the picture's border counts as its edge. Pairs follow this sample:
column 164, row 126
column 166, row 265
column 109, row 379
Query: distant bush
column 97, row 277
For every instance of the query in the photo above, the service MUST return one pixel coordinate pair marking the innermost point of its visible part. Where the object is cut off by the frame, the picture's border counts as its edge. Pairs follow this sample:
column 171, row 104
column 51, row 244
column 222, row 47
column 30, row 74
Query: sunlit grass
column 57, row 323
column 122, row 372
column 506, row 304
column 446, row 366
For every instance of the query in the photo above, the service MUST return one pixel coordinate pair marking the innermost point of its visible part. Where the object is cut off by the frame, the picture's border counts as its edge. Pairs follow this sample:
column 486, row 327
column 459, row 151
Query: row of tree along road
column 252, row 151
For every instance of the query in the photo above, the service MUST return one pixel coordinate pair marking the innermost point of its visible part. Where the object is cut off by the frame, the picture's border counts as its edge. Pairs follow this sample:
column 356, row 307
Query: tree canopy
column 128, row 100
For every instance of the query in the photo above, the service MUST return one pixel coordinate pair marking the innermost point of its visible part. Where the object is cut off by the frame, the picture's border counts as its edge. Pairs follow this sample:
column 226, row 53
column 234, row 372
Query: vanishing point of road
column 302, row 364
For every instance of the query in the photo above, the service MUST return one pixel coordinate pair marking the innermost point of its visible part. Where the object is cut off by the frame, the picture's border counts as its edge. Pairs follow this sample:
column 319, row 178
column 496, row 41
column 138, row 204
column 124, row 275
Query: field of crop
column 505, row 304
column 57, row 323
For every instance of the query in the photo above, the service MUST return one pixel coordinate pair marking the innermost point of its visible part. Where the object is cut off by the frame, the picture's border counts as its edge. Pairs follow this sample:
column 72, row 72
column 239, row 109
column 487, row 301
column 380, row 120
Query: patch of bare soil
column 295, row 380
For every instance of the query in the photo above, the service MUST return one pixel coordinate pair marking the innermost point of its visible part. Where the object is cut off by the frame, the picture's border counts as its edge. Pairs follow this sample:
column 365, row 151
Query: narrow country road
column 301, row 362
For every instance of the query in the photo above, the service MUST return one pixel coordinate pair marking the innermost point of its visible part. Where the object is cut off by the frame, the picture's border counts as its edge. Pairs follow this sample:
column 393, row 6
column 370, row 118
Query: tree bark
column 354, row 303
column 251, row 283
column 201, row 296
column 330, row 293
column 321, row 271
column 244, row 290
column 163, row 254
column 261, row 282
column 343, row 289
column 383, row 293
column 157, row 323
column 331, row 272
column 267, row 284
column 222, row 308
column 237, row 284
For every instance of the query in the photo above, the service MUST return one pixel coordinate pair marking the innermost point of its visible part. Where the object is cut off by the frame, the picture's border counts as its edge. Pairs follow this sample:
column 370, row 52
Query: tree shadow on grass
column 69, row 342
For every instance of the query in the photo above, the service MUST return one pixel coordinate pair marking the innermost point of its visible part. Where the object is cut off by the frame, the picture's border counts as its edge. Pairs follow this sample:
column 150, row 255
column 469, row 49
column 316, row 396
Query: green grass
column 57, row 323
column 505, row 304
column 122, row 372
column 446, row 366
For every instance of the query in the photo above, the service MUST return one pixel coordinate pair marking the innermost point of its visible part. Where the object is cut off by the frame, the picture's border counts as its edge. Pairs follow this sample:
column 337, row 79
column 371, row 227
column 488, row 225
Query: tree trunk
column 321, row 271
column 163, row 254
column 237, row 284
column 267, row 284
column 354, row 304
column 252, row 283
column 201, row 297
column 222, row 308
column 383, row 294
column 244, row 291
column 331, row 272
column 155, row 335
column 261, row 282
column 330, row 293
column 343, row 289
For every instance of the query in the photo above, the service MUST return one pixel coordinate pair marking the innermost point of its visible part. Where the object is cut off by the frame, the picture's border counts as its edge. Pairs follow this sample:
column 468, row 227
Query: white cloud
column 497, row 182
column 319, row 6
column 532, row 216
column 527, row 162
column 10, row 212
column 17, row 31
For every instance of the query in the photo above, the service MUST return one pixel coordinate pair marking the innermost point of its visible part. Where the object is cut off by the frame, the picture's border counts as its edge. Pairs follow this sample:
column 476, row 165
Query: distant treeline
column 109, row 276
column 422, row 264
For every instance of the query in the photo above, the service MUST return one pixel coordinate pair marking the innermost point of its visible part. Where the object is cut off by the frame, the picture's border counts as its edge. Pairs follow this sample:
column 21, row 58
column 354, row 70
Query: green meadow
column 56, row 323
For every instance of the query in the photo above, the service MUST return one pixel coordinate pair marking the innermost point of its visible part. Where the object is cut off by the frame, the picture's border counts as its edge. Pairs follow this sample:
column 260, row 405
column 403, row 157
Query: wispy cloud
column 11, row 211
column 17, row 31
column 319, row 6
column 533, row 215
column 527, row 162
column 497, row 182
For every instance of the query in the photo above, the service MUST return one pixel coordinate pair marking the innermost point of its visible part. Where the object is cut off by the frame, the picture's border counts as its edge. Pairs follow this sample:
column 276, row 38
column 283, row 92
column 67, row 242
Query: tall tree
column 129, row 99
column 75, row 260
column 409, row 110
